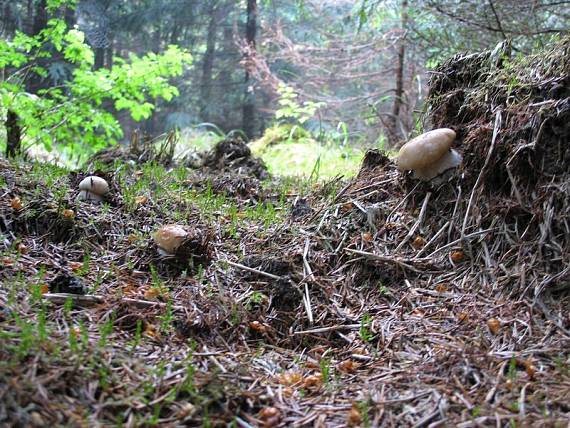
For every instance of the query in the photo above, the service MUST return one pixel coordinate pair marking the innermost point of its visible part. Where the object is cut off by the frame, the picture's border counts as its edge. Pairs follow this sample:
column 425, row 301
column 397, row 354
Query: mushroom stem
column 86, row 195
column 449, row 160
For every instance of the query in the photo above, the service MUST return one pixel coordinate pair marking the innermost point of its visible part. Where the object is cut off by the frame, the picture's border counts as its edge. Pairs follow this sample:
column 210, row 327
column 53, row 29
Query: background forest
column 346, row 71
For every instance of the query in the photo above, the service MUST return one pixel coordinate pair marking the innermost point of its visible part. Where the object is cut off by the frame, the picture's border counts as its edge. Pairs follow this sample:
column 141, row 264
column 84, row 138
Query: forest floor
column 373, row 301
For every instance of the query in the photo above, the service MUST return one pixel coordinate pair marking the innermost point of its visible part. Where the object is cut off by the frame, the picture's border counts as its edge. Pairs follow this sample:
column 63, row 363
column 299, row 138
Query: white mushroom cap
column 426, row 149
column 86, row 195
column 170, row 237
column 94, row 184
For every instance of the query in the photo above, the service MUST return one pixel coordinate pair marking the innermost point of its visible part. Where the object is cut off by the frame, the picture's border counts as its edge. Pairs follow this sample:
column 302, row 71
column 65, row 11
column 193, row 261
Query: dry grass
column 340, row 315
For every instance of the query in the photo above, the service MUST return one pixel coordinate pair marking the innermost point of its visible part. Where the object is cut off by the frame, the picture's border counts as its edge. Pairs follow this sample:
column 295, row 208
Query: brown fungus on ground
column 93, row 188
column 429, row 154
column 169, row 238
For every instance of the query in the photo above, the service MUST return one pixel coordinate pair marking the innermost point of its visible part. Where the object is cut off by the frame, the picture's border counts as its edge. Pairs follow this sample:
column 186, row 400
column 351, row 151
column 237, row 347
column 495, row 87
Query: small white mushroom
column 429, row 154
column 92, row 188
column 169, row 238
column 95, row 185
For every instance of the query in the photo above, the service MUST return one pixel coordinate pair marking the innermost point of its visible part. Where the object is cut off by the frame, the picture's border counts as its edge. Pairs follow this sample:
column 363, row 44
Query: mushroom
column 169, row 238
column 429, row 154
column 93, row 188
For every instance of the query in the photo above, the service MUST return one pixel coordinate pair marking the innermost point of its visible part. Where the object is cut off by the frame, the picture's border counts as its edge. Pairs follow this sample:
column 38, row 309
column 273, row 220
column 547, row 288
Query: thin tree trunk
column 394, row 133
column 8, row 21
column 40, row 17
column 28, row 25
column 248, row 116
column 208, row 64
column 35, row 82
column 99, row 58
column 13, row 134
column 109, row 54
column 69, row 17
column 228, row 119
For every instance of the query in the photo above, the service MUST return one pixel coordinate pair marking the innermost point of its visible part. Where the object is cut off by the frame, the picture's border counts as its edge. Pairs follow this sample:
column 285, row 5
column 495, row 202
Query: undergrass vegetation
column 312, row 159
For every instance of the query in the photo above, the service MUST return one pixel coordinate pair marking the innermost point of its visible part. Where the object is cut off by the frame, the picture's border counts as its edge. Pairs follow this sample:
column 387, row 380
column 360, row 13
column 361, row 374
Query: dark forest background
column 367, row 61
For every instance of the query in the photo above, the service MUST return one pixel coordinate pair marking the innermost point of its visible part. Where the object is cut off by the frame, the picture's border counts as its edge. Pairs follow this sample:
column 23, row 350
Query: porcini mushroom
column 169, row 238
column 93, row 188
column 429, row 154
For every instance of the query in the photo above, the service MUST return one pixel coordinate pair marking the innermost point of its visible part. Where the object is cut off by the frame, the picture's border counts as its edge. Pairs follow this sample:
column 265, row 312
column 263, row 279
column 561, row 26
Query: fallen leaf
column 22, row 248
column 530, row 368
column 419, row 242
column 152, row 293
column 354, row 418
column 312, row 365
column 494, row 325
column 360, row 351
column 75, row 266
column 289, row 378
column 186, row 410
column 270, row 416
column 7, row 261
column 37, row 419
column 69, row 214
column 462, row 316
column 257, row 326
column 348, row 366
column 44, row 288
column 141, row 200
column 129, row 289
column 457, row 256
column 16, row 203
column 151, row 331
column 313, row 381
column 441, row 287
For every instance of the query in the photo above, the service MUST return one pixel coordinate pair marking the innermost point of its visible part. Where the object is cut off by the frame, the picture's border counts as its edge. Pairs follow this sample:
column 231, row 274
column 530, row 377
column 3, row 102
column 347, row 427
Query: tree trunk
column 13, row 134
column 208, row 65
column 8, row 21
column 248, row 116
column 69, row 17
column 99, row 58
column 394, row 133
column 228, row 61
column 40, row 17
column 36, row 82
column 109, row 54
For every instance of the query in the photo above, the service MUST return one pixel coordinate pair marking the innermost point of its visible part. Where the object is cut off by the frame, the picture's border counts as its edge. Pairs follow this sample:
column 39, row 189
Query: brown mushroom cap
column 170, row 237
column 94, row 184
column 425, row 149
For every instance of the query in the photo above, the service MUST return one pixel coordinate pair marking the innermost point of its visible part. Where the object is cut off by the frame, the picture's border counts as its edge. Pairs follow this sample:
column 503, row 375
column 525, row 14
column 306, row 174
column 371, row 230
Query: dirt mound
column 139, row 150
column 524, row 101
column 512, row 117
column 233, row 155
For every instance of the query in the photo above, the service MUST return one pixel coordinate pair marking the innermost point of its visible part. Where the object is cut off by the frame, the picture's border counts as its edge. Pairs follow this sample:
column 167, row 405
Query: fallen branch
column 92, row 300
